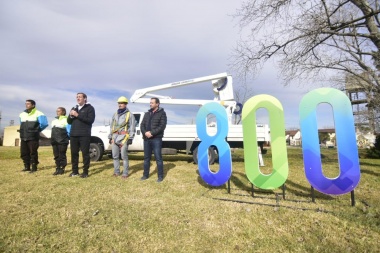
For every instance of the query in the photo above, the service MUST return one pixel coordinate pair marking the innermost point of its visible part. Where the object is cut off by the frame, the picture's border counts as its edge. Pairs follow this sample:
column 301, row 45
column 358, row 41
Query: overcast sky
column 50, row 50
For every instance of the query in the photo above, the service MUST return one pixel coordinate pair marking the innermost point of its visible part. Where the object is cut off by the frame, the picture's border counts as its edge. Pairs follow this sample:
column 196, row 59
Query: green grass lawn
column 44, row 213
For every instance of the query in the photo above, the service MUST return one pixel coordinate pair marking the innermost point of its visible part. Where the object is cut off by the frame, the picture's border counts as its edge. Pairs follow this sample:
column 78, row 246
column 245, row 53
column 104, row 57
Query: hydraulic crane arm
column 222, row 84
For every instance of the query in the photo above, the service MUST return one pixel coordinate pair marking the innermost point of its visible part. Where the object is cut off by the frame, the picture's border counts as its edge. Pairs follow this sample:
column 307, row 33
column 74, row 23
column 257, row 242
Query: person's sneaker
column 124, row 177
column 73, row 174
column 144, row 178
column 159, row 180
column 84, row 175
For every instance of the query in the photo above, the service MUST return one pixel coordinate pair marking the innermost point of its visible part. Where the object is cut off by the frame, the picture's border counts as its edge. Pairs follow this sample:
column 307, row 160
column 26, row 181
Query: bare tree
column 242, row 93
column 310, row 39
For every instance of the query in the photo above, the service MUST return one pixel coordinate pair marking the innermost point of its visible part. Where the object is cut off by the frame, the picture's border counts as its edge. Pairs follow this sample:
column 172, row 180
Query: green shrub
column 374, row 152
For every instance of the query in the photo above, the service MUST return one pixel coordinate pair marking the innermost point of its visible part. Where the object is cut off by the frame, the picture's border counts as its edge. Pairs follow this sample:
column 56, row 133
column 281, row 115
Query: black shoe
column 61, row 172
column 144, row 178
column 56, row 172
column 159, row 180
column 25, row 169
column 84, row 175
column 34, row 168
column 74, row 174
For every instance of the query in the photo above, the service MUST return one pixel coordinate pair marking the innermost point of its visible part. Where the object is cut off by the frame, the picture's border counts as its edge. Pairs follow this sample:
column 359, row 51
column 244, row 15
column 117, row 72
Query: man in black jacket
column 81, row 118
column 32, row 123
column 152, row 128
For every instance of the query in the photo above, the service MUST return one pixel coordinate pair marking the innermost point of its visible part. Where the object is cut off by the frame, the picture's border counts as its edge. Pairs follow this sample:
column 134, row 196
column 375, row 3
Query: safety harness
column 124, row 125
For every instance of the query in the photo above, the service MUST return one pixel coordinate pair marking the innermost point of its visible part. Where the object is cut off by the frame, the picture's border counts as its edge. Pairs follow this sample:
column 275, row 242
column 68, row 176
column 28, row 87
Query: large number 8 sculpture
column 218, row 140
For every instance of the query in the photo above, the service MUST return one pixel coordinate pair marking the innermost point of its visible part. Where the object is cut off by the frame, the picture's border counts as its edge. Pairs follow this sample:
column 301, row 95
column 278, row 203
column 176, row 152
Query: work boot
column 26, row 168
column 56, row 171
column 61, row 171
column 34, row 168
column 84, row 174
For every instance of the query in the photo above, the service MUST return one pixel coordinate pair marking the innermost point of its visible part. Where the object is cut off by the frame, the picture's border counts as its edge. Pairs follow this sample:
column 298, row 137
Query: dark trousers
column 29, row 152
column 59, row 151
column 81, row 143
column 153, row 145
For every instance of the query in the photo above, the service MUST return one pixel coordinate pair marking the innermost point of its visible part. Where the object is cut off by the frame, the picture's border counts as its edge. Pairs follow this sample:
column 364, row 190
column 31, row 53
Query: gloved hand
column 129, row 141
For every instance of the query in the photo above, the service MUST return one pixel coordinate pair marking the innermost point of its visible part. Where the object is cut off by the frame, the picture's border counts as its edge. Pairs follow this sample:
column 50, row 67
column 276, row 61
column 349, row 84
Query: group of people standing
column 76, row 130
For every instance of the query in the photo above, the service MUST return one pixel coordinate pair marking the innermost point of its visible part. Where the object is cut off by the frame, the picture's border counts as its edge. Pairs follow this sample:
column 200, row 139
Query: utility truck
column 183, row 137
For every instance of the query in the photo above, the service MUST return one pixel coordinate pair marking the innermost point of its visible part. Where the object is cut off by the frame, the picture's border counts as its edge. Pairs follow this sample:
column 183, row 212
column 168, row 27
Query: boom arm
column 222, row 87
column 222, row 83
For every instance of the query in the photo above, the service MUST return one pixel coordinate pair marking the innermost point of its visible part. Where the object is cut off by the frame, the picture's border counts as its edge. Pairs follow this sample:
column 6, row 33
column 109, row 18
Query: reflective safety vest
column 32, row 123
column 120, row 132
column 60, row 131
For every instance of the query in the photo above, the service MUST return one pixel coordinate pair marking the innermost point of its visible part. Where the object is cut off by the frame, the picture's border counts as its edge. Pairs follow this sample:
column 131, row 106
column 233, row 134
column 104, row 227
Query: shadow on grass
column 97, row 169
column 290, row 187
column 304, row 191
column 263, row 193
column 238, row 182
column 140, row 168
column 240, row 186
column 272, row 205
column 165, row 158
column 373, row 162
column 370, row 172
column 135, row 168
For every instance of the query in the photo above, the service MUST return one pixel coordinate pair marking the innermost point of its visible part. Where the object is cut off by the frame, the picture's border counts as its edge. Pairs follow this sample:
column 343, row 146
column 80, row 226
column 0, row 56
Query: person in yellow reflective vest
column 60, row 133
column 32, row 123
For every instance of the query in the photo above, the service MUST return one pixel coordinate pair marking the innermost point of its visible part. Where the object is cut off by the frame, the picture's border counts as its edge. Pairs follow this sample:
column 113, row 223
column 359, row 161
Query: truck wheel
column 211, row 155
column 96, row 152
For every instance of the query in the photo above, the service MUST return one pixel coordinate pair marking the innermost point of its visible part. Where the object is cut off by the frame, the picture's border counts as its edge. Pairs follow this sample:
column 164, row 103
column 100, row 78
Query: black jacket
column 81, row 125
column 158, row 123
column 59, row 136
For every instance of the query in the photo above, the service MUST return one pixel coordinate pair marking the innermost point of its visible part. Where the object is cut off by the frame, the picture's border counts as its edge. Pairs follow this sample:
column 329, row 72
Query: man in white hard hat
column 121, row 135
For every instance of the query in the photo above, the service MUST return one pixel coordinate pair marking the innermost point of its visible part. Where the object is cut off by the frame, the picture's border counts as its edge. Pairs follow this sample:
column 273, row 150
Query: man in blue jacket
column 81, row 118
column 32, row 123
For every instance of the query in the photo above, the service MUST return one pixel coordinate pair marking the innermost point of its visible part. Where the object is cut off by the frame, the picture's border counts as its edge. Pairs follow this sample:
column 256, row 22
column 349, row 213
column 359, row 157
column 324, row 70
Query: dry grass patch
column 44, row 213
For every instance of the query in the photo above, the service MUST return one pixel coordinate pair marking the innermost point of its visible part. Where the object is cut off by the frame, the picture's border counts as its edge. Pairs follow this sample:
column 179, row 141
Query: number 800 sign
column 348, row 156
